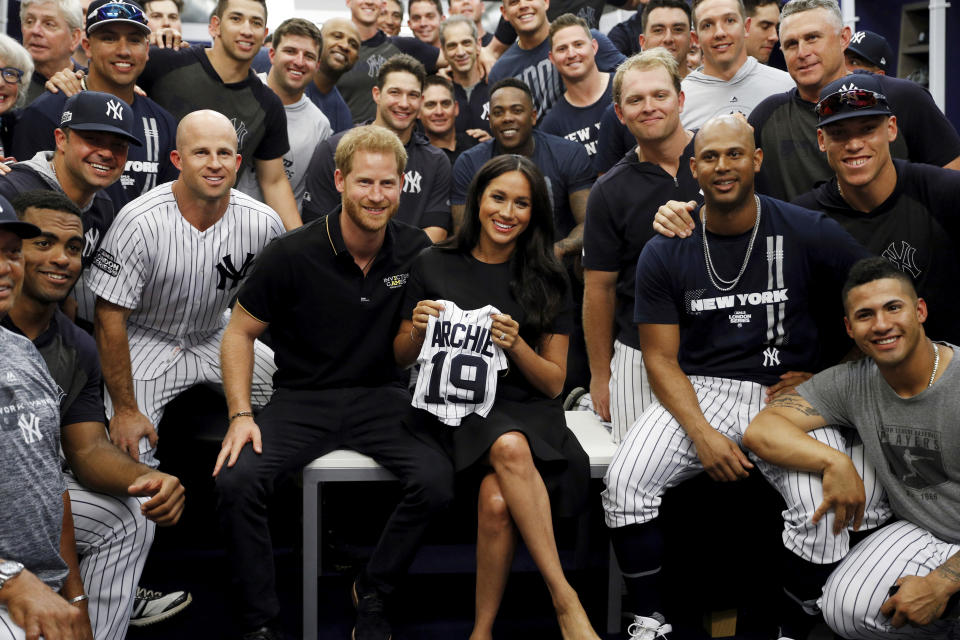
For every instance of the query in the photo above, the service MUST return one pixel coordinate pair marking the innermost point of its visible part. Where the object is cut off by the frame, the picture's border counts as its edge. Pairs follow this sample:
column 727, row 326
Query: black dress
column 439, row 274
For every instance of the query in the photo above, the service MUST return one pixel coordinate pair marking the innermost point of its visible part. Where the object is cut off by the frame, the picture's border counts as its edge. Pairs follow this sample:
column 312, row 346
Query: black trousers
column 298, row 426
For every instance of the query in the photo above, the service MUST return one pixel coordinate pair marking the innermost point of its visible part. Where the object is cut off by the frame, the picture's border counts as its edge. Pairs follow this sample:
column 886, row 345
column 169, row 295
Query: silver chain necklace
column 712, row 272
column 936, row 364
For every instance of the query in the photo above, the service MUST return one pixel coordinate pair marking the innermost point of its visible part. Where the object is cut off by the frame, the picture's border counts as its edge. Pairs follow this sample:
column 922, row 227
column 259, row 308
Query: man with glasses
column 116, row 41
column 51, row 32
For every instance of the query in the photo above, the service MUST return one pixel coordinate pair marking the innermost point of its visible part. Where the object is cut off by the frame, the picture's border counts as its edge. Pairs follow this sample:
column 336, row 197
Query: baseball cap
column 852, row 96
column 101, row 12
column 9, row 221
column 98, row 111
column 872, row 47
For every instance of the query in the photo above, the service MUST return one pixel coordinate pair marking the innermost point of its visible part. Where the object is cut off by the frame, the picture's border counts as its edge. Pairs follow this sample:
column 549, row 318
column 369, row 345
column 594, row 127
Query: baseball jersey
column 785, row 127
column 424, row 200
column 916, row 229
column 147, row 166
column 31, row 485
column 578, row 124
column 534, row 67
column 912, row 442
column 177, row 280
column 768, row 323
column 708, row 96
column 459, row 364
column 619, row 223
column 183, row 80
column 564, row 164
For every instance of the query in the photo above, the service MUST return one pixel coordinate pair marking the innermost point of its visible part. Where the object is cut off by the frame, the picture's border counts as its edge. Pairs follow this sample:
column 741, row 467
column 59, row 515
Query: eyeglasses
column 853, row 98
column 11, row 75
column 117, row 11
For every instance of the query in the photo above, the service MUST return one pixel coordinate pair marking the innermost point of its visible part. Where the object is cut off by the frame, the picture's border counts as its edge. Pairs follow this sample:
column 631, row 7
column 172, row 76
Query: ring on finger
column 503, row 336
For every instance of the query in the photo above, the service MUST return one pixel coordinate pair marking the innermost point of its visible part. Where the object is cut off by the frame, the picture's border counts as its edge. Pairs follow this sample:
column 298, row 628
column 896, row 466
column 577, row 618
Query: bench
column 349, row 466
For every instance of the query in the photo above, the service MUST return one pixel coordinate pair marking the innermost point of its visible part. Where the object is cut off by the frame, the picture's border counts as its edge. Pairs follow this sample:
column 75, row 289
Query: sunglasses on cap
column 117, row 11
column 11, row 75
column 853, row 98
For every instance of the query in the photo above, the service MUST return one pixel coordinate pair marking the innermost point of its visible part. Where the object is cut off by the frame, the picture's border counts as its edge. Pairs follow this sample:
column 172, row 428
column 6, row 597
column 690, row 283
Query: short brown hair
column 568, row 20
column 401, row 62
column 222, row 5
column 697, row 3
column 372, row 139
column 643, row 61
column 297, row 27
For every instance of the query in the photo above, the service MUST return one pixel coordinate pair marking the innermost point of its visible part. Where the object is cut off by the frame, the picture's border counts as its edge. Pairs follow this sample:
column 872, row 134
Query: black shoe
column 263, row 633
column 372, row 623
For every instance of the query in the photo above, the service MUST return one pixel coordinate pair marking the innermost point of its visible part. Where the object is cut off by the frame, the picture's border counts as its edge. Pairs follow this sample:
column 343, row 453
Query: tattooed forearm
column 793, row 400
column 950, row 569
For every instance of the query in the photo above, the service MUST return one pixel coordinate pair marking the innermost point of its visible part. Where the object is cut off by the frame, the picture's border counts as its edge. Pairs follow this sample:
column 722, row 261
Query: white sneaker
column 648, row 628
column 153, row 606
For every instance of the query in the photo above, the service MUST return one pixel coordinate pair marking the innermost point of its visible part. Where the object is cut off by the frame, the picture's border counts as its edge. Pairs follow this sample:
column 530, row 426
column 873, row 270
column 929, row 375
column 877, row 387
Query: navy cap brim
column 144, row 28
column 105, row 128
column 853, row 113
column 22, row 229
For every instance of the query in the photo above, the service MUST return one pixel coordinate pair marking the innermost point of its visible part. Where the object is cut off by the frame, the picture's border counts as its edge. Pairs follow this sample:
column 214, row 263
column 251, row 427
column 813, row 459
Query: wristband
column 240, row 414
column 78, row 599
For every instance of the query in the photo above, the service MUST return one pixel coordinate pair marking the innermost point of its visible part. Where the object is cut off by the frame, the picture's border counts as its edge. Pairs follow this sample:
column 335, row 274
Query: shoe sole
column 160, row 617
column 356, row 602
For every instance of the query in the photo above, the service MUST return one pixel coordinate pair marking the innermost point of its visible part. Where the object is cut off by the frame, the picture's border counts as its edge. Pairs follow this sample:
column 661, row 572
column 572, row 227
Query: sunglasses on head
column 853, row 98
column 117, row 10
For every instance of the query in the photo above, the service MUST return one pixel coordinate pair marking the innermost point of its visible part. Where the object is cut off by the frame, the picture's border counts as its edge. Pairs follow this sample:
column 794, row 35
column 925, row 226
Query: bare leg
column 529, row 505
column 496, row 543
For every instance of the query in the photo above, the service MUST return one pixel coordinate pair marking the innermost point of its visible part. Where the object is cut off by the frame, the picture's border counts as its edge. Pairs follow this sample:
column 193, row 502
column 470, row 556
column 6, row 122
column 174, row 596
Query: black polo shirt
column 332, row 327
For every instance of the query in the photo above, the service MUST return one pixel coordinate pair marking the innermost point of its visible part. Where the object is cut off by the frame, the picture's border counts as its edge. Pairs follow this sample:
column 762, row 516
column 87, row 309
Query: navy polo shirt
column 474, row 109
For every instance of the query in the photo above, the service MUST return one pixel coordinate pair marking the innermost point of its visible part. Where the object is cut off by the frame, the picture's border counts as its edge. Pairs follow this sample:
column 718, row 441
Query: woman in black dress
column 523, row 451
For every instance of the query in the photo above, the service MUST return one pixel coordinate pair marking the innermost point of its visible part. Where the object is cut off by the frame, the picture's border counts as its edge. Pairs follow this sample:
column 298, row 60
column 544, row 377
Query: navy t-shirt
column 147, row 166
column 917, row 229
column 767, row 324
column 475, row 109
column 614, row 141
column 534, row 67
column 333, row 106
column 578, row 124
column 785, row 127
column 626, row 35
column 564, row 164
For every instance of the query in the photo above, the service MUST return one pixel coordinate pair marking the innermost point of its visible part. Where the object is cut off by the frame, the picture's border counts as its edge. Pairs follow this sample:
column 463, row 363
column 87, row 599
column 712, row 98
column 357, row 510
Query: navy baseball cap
column 9, row 221
column 852, row 96
column 98, row 111
column 872, row 47
column 101, row 12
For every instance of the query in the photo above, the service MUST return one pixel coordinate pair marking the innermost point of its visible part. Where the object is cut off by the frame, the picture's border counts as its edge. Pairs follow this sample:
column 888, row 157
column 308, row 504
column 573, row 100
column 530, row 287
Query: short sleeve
column 321, row 196
column 88, row 405
column 505, row 32
column 827, row 391
column 34, row 132
column 601, row 239
column 580, row 170
column 270, row 285
column 119, row 268
column 414, row 290
column 275, row 142
column 436, row 213
column 613, row 142
column 608, row 56
column 930, row 137
column 654, row 302
column 837, row 250
column 427, row 54
column 463, row 170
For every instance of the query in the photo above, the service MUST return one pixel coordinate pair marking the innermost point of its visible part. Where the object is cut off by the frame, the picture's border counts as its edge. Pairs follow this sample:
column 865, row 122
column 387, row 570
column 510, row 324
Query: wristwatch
column 9, row 569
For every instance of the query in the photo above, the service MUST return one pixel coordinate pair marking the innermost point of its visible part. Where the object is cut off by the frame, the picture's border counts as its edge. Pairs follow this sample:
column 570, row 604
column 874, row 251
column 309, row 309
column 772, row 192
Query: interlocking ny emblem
column 115, row 109
column 30, row 428
column 227, row 270
column 771, row 357
column 858, row 37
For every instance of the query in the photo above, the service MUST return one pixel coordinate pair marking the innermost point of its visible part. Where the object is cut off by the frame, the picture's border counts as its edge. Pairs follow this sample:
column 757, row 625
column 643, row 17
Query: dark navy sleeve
column 34, row 132
column 602, row 241
column 321, row 196
column 463, row 170
column 620, row 36
column 613, row 143
column 163, row 61
column 837, row 249
column 608, row 56
column 88, row 405
column 275, row 142
column 577, row 167
column 427, row 54
column 168, row 142
column 930, row 137
column 654, row 303
column 939, row 189
column 505, row 32
column 436, row 213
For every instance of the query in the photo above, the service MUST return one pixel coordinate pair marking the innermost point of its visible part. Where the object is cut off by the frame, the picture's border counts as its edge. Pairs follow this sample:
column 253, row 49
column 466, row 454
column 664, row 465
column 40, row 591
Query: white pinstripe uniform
column 459, row 364
column 179, row 282
column 630, row 390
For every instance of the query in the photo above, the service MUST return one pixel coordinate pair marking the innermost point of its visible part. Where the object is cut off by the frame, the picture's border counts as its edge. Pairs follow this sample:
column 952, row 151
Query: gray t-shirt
column 31, row 483
column 708, row 96
column 913, row 442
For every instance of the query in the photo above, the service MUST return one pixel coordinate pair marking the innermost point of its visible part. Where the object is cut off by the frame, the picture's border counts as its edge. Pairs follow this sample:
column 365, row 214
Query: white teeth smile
column 504, row 227
column 99, row 167
column 55, row 276
column 856, row 162
column 886, row 341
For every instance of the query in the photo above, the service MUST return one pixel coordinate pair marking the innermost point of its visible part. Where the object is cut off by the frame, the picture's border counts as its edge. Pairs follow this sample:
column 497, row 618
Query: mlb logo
column 11, row 377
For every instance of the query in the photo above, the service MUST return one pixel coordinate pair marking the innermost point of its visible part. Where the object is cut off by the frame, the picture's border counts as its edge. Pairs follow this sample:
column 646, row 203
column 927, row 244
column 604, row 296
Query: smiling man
column 425, row 200
column 730, row 81
column 438, row 115
column 458, row 38
column 391, row 17
column 762, row 33
column 340, row 47
column 424, row 21
column 116, row 43
column 51, row 31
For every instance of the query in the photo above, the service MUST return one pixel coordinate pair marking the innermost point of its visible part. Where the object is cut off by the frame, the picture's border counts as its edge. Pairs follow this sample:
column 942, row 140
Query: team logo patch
column 29, row 427
column 105, row 261
column 914, row 455
column 227, row 271
column 241, row 128
column 740, row 318
column 903, row 257
column 771, row 357
column 397, row 281
column 66, row 117
column 115, row 109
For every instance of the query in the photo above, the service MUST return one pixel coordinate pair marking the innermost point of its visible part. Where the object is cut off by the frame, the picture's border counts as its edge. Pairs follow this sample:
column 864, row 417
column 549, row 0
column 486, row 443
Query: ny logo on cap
column 115, row 110
column 858, row 37
column 66, row 117
column 848, row 87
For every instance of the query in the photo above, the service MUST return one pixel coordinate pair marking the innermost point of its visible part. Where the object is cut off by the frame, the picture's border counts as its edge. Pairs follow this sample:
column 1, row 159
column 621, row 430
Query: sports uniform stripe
column 630, row 391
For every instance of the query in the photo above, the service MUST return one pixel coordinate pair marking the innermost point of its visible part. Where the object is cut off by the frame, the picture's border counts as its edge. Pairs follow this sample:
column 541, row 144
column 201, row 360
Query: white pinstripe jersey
column 459, row 364
column 177, row 279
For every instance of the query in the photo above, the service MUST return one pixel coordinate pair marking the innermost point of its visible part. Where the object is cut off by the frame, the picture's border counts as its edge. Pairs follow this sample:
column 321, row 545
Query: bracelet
column 78, row 599
column 240, row 414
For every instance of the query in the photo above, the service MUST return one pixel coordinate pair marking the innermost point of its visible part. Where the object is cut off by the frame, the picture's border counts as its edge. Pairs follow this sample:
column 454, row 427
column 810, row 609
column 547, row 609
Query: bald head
column 340, row 24
column 207, row 158
column 341, row 46
column 732, row 127
column 725, row 161
column 203, row 124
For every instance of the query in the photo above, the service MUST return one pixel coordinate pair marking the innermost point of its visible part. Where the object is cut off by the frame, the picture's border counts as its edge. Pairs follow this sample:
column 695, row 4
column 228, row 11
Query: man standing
column 391, row 17
column 51, row 31
column 220, row 78
column 294, row 53
column 620, row 210
column 116, row 42
column 438, row 115
column 341, row 44
column 115, row 502
column 762, row 37
column 425, row 19
column 727, row 318
column 902, row 581
column 163, row 14
column 730, row 80
column 658, row 24
column 813, row 38
column 576, row 115
column 425, row 202
column 473, row 11
column 458, row 38
column 155, row 340
column 341, row 275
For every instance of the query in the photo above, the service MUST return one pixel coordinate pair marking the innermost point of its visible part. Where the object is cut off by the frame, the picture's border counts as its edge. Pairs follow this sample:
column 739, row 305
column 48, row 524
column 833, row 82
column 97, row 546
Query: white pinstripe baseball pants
column 657, row 454
column 856, row 589
column 199, row 364
column 113, row 540
column 630, row 391
column 8, row 630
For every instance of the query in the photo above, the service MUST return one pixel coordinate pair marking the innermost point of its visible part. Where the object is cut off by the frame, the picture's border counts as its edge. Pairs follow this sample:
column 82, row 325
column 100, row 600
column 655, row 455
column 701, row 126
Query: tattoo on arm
column 793, row 400
column 951, row 568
